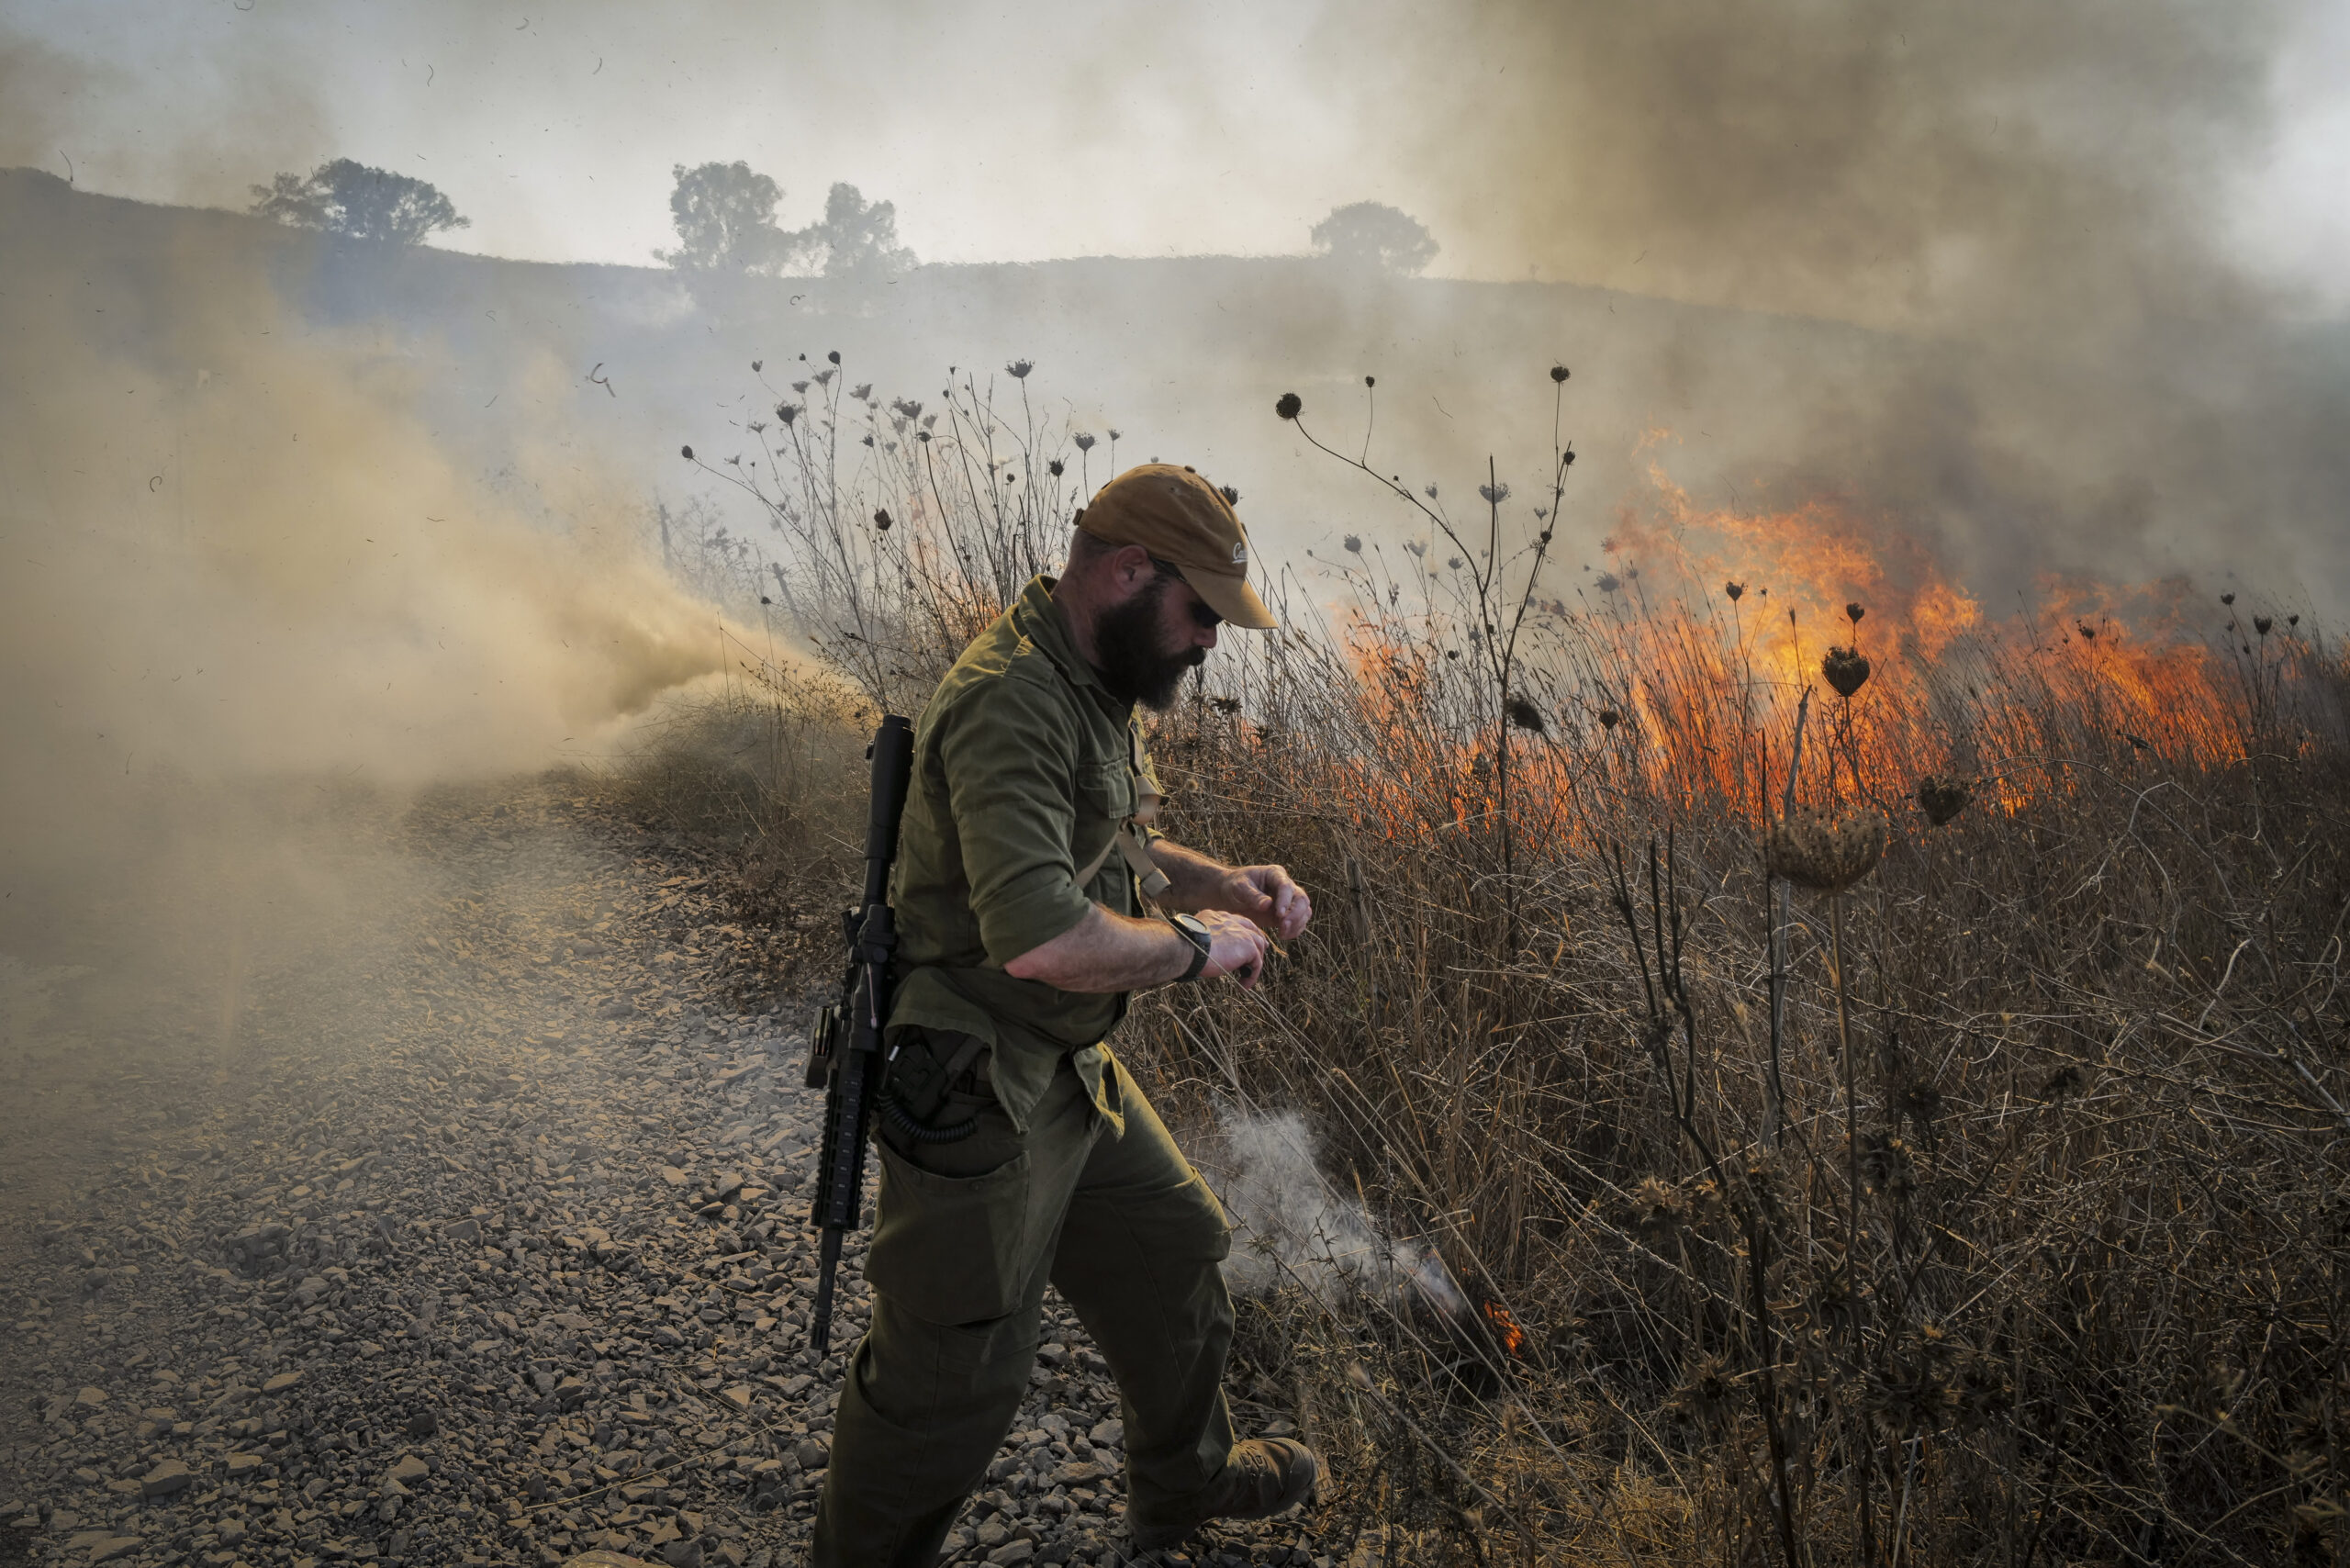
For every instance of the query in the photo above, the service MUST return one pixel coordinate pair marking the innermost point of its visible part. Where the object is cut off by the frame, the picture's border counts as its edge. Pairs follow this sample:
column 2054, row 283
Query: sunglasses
column 1202, row 616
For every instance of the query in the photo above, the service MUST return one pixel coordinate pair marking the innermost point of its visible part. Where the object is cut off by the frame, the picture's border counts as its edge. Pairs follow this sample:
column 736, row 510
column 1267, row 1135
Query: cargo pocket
column 950, row 1249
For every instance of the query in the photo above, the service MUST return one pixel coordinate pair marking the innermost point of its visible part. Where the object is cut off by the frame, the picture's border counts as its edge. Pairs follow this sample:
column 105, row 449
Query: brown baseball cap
column 1185, row 521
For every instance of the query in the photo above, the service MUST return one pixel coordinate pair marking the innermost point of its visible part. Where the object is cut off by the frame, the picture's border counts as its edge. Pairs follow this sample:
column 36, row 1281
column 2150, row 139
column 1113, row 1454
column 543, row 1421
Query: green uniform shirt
column 1024, row 769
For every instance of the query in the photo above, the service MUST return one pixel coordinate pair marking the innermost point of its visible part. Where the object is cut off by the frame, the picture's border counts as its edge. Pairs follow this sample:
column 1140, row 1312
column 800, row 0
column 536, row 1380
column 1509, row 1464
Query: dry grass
column 2023, row 1244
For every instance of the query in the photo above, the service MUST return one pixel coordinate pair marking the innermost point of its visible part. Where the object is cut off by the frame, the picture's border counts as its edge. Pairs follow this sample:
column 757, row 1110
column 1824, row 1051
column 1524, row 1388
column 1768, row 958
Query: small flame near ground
column 1506, row 1331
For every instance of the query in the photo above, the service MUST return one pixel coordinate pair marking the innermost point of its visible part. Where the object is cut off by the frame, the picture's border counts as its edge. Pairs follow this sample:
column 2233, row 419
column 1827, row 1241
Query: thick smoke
column 2034, row 201
column 235, row 550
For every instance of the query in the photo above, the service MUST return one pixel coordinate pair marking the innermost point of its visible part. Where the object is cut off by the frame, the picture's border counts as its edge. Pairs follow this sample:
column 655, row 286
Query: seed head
column 1084, row 441
column 1527, row 716
column 1942, row 798
column 787, row 412
column 1558, row 373
column 2261, row 623
column 1610, row 718
column 1847, row 669
column 1354, row 543
column 882, row 520
column 1055, row 467
column 862, row 393
column 1908, row 1397
column 688, row 453
column 1494, row 495
column 1855, row 612
column 1705, row 1398
column 1736, row 592
column 834, row 356
column 2227, row 599
column 755, row 367
column 1289, row 405
column 1020, row 369
column 1659, row 1211
column 1371, row 381
column 1231, row 496
column 1826, row 857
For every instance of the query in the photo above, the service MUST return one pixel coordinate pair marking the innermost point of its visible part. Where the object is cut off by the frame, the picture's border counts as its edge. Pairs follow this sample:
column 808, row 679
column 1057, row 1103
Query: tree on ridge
column 1370, row 234
column 346, row 197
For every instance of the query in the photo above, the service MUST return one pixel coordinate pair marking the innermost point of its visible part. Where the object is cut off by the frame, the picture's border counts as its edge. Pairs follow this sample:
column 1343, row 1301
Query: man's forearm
column 1194, row 881
column 1106, row 952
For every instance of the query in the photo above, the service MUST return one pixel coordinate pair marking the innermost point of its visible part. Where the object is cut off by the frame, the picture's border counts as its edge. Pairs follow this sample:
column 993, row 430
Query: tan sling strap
column 1126, row 840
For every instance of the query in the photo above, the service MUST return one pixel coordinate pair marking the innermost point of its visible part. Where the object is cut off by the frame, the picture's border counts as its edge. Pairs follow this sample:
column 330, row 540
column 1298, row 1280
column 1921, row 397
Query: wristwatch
column 1195, row 931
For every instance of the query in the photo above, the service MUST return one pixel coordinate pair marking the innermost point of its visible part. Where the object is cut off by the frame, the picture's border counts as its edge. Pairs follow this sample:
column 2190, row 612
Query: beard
column 1134, row 666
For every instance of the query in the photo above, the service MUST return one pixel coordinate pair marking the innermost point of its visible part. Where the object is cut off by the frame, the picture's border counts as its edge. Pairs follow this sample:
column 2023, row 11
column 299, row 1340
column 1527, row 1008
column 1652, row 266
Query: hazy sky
column 1533, row 138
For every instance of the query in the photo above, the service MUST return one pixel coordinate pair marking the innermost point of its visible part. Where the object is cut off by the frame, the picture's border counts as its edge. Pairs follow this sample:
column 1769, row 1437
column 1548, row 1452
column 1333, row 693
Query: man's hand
column 1266, row 895
column 1235, row 947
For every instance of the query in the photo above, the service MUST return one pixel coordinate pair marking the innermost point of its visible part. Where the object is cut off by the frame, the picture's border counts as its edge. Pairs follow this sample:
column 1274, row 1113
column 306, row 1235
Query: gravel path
column 465, row 1225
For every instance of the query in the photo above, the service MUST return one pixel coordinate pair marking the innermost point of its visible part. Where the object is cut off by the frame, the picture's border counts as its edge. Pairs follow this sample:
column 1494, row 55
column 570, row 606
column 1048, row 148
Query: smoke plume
column 237, row 550
column 1290, row 1224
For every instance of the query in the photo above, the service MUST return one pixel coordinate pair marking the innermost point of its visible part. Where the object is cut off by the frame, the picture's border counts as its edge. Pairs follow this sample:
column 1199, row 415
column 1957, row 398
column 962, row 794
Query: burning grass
column 1988, row 1208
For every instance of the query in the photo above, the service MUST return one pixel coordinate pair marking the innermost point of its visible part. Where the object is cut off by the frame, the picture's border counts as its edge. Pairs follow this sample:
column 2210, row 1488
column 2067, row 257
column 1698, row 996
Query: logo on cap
column 1240, row 554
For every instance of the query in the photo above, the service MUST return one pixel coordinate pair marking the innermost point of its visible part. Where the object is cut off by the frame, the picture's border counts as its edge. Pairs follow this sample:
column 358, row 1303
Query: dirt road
column 408, row 1193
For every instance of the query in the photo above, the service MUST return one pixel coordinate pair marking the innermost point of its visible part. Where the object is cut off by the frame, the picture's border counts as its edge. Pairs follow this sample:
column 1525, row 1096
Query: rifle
column 845, row 1050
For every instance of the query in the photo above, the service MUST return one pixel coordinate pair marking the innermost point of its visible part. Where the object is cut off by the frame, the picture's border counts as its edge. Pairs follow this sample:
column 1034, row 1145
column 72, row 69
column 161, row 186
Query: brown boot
column 1262, row 1477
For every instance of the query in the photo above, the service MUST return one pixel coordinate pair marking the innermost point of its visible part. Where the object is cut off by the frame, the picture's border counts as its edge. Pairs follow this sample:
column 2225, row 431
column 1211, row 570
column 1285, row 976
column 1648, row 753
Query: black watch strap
column 1192, row 931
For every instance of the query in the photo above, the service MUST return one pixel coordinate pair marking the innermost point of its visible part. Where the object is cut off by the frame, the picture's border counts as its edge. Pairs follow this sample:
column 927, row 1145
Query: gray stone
column 462, row 1231
column 282, row 1382
column 1109, row 1434
column 168, row 1479
column 813, row 1453
column 410, row 1468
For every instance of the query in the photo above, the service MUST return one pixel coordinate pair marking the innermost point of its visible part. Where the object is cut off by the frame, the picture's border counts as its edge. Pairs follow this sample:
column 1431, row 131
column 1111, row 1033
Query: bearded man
column 1015, row 1149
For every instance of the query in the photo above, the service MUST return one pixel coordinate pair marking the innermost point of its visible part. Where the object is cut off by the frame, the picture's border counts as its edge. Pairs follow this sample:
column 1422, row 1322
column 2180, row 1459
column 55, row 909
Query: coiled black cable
column 901, row 1118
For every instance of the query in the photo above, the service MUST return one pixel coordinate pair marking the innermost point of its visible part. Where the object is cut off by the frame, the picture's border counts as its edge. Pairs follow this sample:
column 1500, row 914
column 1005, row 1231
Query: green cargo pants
column 966, row 1237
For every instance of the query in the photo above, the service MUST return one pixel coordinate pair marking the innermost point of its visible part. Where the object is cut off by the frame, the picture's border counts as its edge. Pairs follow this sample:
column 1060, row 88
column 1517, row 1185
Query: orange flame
column 1664, row 683
column 1506, row 1333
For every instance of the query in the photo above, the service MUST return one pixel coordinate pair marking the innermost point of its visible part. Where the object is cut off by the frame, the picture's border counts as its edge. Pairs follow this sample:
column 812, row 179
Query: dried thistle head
column 1659, row 1210
column 1558, row 373
column 1527, row 716
column 1942, row 798
column 1610, row 718
column 1705, row 1398
column 1826, row 857
column 1885, row 1165
column 1084, row 440
column 1736, row 592
column 1908, row 1397
column 1919, row 1102
column 1847, row 669
column 1289, row 405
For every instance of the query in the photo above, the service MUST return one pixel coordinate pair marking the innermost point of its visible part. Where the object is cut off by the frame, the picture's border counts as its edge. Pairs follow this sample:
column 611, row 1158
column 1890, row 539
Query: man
column 1015, row 1149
